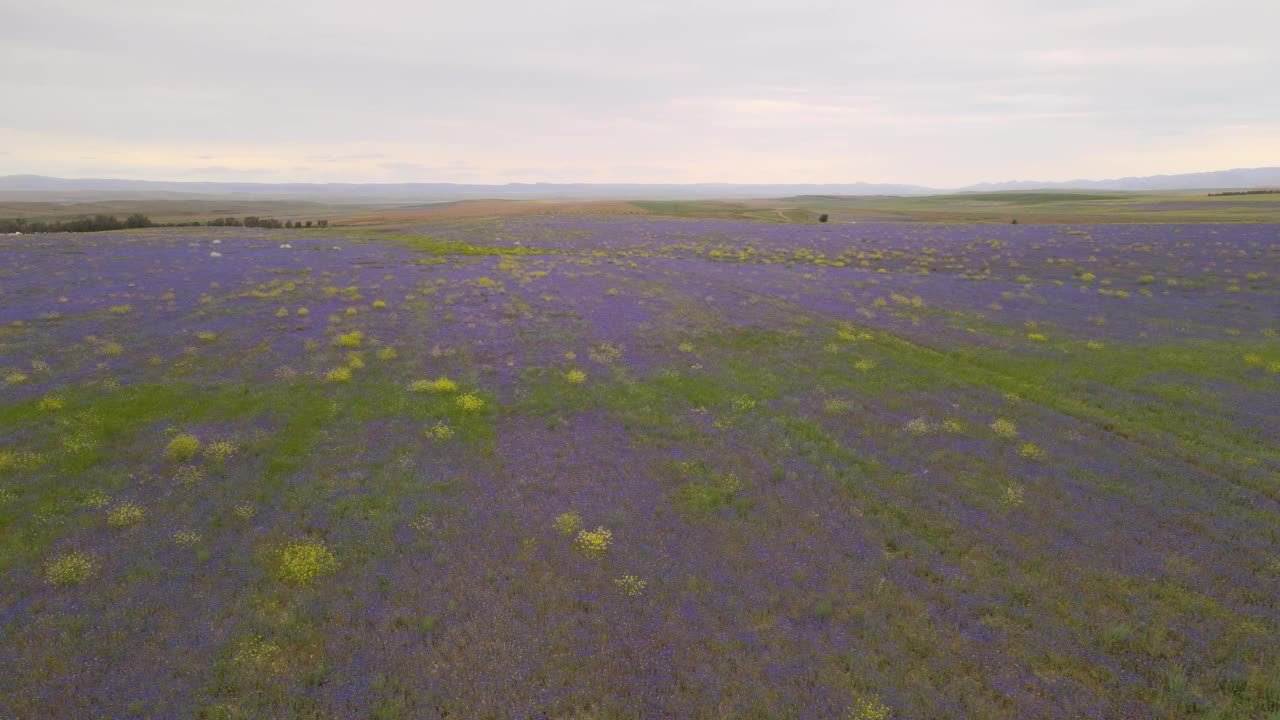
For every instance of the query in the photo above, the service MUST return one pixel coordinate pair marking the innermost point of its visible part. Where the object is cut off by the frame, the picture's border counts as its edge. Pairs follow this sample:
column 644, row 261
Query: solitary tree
column 822, row 217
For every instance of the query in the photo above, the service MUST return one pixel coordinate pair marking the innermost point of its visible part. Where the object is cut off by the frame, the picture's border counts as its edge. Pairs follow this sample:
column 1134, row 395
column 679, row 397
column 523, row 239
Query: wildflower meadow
column 590, row 468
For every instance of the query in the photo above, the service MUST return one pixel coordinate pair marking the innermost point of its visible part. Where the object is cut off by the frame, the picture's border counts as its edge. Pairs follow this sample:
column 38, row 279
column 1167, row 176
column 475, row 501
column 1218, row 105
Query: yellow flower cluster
column 70, row 569
column 1012, row 495
column 126, row 513
column 439, row 431
column 256, row 652
column 440, row 385
column 188, row 475
column 52, row 403
column 594, row 542
column 96, row 499
column 305, row 560
column 869, row 709
column 220, row 450
column 470, row 402
column 352, row 339
column 568, row 523
column 605, row 353
column 1004, row 428
column 19, row 459
column 918, row 427
column 182, row 448
column 1031, row 451
column 630, row 585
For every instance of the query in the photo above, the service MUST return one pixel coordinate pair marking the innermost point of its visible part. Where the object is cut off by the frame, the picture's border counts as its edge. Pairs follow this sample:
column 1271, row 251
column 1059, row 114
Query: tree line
column 1246, row 192
column 99, row 223
column 261, row 222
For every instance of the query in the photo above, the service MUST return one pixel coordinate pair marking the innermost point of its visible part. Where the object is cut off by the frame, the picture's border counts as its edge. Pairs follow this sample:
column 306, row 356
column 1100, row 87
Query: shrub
column 919, row 427
column 439, row 431
column 1031, row 451
column 630, row 585
column 470, row 402
column 70, row 569
column 352, row 339
column 568, row 523
column 126, row 513
column 220, row 450
column 440, row 385
column 182, row 448
column 594, row 542
column 1004, row 428
column 304, row 561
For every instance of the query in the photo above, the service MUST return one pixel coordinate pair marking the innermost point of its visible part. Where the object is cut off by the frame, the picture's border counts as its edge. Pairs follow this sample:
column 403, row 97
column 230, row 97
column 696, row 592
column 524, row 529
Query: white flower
column 217, row 242
column 215, row 253
column 286, row 246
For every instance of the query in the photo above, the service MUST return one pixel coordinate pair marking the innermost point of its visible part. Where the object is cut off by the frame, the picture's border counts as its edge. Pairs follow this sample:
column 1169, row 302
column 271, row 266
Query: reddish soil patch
column 493, row 208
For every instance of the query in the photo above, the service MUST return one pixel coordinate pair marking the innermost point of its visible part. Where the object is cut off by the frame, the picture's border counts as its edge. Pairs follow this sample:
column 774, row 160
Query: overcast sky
column 934, row 92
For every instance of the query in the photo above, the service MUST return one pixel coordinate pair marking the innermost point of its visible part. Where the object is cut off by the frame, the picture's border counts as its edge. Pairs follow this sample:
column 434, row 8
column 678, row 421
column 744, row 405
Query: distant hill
column 1238, row 179
column 38, row 187
column 41, row 188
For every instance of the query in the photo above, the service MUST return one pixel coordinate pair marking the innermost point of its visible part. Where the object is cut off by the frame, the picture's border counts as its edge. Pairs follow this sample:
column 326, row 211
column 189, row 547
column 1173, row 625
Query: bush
column 126, row 513
column 70, row 569
column 182, row 448
column 304, row 561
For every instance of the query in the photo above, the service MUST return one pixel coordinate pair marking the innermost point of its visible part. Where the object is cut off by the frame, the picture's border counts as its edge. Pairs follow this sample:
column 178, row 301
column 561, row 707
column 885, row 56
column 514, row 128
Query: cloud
column 932, row 92
column 343, row 158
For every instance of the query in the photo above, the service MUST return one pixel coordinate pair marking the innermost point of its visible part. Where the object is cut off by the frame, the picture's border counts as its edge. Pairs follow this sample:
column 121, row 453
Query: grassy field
column 1039, row 207
column 661, row 464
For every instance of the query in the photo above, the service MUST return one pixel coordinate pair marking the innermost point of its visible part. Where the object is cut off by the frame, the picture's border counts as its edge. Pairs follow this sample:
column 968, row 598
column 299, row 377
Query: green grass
column 1032, row 197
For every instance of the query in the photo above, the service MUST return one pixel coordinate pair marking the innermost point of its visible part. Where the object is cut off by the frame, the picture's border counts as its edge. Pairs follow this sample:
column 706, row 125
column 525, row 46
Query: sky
column 929, row 92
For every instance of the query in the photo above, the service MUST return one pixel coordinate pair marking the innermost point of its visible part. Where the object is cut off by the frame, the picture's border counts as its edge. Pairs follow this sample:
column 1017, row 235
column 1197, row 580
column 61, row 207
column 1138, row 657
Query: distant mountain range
column 41, row 188
column 1238, row 179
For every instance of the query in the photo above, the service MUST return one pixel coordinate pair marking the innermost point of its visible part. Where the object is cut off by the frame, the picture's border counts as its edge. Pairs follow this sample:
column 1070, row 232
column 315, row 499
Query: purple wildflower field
column 632, row 467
